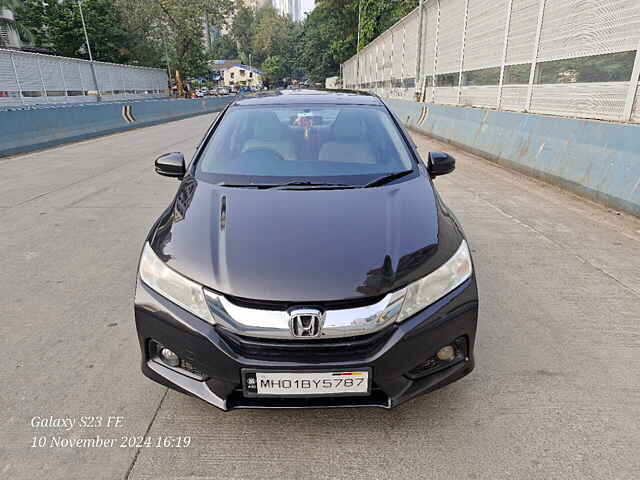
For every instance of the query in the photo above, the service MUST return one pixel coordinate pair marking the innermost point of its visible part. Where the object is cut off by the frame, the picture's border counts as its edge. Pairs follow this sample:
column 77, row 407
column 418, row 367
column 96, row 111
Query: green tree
column 242, row 31
column 275, row 68
column 331, row 31
column 293, row 54
column 376, row 17
column 17, row 26
column 277, row 45
column 147, row 42
column 178, row 25
column 223, row 48
column 57, row 26
column 329, row 37
column 273, row 34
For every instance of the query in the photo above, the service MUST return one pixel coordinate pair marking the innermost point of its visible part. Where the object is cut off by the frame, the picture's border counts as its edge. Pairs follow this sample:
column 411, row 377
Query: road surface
column 555, row 394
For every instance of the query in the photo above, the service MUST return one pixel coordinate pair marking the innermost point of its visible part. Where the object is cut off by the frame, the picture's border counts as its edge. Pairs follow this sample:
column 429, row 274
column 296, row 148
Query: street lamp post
column 418, row 84
column 86, row 38
column 358, row 44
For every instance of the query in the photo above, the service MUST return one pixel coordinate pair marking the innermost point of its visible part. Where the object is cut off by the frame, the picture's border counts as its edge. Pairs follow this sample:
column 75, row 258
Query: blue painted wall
column 26, row 129
column 598, row 160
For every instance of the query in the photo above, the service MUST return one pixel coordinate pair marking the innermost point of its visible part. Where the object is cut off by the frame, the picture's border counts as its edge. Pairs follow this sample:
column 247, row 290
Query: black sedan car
column 306, row 261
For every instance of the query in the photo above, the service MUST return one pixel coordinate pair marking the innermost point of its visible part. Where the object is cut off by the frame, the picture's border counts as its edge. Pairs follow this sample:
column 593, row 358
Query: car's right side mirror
column 171, row 165
column 440, row 163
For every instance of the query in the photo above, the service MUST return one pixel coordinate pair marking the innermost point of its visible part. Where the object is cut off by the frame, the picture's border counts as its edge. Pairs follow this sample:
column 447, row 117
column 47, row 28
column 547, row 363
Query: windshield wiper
column 246, row 185
column 296, row 183
column 306, row 183
column 388, row 178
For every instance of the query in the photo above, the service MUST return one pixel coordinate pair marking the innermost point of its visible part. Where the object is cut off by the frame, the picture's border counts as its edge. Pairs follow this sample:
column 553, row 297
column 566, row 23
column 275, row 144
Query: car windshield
column 345, row 145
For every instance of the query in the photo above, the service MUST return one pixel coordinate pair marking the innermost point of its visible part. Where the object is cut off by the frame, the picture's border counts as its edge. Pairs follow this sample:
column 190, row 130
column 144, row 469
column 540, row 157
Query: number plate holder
column 306, row 383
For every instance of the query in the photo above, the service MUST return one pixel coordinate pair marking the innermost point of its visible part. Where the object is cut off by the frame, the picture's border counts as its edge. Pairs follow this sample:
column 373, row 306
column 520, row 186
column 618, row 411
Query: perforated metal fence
column 31, row 78
column 576, row 58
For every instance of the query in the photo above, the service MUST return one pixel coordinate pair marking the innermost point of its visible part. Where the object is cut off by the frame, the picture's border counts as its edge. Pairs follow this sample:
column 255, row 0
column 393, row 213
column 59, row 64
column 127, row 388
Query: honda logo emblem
column 305, row 322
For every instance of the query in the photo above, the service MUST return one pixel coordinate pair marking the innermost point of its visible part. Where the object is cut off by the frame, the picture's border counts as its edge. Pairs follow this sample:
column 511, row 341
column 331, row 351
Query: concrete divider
column 598, row 160
column 27, row 129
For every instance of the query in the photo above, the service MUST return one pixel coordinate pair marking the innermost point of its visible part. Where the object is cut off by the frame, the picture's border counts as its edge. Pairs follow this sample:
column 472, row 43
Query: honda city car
column 306, row 260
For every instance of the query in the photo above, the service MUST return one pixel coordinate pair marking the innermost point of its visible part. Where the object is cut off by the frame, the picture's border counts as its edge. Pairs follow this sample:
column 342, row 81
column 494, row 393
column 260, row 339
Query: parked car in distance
column 222, row 91
column 306, row 261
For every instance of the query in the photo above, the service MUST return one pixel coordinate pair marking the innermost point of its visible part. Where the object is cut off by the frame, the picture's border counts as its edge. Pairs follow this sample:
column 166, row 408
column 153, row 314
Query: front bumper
column 391, row 358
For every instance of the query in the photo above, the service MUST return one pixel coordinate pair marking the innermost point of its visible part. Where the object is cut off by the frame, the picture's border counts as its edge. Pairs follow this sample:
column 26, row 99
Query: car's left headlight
column 170, row 284
column 422, row 293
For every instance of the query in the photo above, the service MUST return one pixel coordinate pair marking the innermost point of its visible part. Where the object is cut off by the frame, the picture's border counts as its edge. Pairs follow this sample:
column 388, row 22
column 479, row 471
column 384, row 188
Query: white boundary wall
column 31, row 78
column 575, row 58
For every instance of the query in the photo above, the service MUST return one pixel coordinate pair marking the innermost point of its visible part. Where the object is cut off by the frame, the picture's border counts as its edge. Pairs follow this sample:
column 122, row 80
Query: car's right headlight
column 170, row 284
column 450, row 275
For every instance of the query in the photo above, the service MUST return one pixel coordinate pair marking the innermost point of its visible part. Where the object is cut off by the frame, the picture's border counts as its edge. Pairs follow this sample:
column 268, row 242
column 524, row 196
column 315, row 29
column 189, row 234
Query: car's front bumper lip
column 412, row 342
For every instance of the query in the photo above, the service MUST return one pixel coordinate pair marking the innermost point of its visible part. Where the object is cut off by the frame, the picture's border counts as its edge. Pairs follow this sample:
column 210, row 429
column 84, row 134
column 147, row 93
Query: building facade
column 242, row 76
column 290, row 8
column 8, row 37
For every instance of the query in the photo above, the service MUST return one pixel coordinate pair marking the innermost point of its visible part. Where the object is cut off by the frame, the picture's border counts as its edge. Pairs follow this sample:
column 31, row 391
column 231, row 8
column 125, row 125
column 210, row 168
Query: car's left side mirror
column 440, row 163
column 171, row 165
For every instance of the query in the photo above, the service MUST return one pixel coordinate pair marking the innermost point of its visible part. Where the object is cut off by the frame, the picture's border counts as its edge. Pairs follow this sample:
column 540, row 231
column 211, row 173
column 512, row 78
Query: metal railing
column 31, row 78
column 576, row 58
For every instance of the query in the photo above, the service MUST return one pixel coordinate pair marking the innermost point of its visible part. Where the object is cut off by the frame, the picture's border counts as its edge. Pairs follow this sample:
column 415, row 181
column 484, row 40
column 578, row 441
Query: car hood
column 297, row 245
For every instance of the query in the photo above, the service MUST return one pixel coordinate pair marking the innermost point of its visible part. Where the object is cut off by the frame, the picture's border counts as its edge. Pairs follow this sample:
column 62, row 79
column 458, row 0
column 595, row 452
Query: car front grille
column 317, row 350
column 283, row 306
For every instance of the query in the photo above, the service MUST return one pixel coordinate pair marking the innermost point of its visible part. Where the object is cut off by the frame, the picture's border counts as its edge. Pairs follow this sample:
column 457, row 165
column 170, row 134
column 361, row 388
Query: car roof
column 309, row 96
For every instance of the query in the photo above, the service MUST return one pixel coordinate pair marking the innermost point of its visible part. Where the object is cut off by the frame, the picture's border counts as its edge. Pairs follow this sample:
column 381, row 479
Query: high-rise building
column 8, row 36
column 296, row 10
column 291, row 8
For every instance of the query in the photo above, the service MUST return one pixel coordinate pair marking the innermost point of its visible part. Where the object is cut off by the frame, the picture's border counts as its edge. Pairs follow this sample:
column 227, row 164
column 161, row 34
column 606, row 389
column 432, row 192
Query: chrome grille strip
column 338, row 323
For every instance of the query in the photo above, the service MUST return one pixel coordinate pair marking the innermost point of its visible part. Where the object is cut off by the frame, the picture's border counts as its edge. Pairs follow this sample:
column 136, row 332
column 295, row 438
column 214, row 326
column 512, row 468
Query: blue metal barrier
column 598, row 160
column 31, row 128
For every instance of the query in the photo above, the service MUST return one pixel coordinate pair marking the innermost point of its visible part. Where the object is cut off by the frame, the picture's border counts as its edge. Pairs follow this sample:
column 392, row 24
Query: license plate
column 259, row 383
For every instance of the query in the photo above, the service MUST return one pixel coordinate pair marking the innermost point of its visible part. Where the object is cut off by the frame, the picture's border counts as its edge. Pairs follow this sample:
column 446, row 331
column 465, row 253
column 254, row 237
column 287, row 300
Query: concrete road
column 556, row 391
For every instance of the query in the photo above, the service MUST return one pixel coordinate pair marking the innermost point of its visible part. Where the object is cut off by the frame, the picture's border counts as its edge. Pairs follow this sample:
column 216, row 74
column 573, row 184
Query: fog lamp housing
column 169, row 357
column 446, row 356
column 446, row 353
column 165, row 356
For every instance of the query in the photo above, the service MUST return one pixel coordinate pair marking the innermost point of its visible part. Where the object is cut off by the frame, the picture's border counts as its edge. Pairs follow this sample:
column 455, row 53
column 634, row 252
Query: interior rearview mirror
column 171, row 165
column 440, row 163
